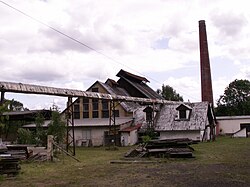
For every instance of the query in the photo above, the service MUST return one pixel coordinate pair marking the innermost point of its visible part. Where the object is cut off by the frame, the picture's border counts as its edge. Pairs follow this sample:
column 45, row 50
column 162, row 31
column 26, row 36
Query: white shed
column 232, row 124
column 129, row 135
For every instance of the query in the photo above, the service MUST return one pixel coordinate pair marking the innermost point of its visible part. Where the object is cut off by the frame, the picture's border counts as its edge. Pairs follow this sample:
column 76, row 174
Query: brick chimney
column 206, row 81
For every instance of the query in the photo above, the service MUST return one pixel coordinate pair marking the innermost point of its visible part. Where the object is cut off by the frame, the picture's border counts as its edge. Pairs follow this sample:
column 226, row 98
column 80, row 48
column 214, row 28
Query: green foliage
column 25, row 136
column 15, row 105
column 41, row 134
column 5, row 125
column 168, row 93
column 235, row 100
column 146, row 139
column 3, row 119
column 57, row 127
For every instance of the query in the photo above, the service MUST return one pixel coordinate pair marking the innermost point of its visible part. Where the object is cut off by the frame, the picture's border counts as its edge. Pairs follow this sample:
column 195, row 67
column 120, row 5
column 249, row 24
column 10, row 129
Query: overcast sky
column 157, row 38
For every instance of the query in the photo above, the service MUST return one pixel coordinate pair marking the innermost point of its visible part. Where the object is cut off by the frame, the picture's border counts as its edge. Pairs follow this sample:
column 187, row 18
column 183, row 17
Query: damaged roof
column 167, row 118
column 131, row 76
column 128, row 106
column 143, row 88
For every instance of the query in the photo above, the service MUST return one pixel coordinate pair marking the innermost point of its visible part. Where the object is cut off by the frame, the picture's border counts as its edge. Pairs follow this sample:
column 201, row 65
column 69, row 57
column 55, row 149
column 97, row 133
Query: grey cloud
column 229, row 24
column 175, row 27
column 90, row 38
column 40, row 75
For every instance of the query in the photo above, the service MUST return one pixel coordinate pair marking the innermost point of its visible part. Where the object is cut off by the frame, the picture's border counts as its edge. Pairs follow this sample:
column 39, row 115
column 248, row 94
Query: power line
column 69, row 37
column 77, row 41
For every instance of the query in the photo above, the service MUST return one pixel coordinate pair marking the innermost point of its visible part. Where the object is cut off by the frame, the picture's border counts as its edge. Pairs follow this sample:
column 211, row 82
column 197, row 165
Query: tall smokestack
column 206, row 81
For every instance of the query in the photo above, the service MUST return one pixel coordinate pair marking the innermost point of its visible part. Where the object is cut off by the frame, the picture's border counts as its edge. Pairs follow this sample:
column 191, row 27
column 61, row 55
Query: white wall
column 240, row 134
column 194, row 135
column 230, row 125
column 95, row 134
column 133, row 137
column 130, row 138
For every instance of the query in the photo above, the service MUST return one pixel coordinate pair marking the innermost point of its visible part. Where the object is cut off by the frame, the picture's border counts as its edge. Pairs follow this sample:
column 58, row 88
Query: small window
column 76, row 108
column 105, row 105
column 182, row 114
column 94, row 89
column 105, row 114
column 95, row 104
column 85, row 107
column 76, row 115
column 95, row 114
column 85, row 114
column 85, row 101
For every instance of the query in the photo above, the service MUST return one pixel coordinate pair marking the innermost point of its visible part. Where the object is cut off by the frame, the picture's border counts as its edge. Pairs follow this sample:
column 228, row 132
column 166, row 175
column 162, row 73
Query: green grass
column 223, row 150
column 223, row 162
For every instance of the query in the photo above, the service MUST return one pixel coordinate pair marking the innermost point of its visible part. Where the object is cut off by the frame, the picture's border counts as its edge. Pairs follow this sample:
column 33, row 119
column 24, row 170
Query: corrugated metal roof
column 36, row 89
column 13, row 113
column 167, row 117
column 132, row 128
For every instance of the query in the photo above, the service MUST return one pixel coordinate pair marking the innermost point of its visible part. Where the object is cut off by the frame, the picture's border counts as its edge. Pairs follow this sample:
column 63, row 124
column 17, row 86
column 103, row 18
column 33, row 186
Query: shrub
column 25, row 136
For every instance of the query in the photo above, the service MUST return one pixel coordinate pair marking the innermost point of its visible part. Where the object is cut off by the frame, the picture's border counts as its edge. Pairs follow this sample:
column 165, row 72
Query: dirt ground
column 174, row 174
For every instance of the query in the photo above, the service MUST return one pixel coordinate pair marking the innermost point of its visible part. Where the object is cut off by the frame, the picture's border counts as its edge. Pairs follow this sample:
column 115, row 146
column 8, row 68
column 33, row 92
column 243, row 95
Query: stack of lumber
column 169, row 148
column 18, row 151
column 8, row 164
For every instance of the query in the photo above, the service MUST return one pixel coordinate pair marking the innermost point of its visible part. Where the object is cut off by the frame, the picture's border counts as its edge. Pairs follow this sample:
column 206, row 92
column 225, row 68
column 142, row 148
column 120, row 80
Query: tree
column 5, row 125
column 57, row 127
column 168, row 93
column 25, row 136
column 235, row 100
column 40, row 134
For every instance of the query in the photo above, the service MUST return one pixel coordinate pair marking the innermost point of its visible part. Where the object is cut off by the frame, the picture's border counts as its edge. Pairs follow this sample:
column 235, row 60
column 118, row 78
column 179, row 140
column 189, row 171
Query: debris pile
column 28, row 153
column 164, row 148
column 8, row 164
column 37, row 154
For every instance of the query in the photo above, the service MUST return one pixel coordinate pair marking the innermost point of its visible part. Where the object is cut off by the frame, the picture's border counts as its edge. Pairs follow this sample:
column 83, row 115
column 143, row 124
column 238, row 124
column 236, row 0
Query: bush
column 25, row 136
column 146, row 139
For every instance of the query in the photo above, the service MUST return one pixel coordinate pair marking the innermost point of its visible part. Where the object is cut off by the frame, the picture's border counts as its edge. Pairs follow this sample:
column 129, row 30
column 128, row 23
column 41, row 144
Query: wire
column 79, row 42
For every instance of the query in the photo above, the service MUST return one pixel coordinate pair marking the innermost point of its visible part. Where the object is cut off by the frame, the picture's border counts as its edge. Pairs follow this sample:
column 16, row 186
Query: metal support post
column 2, row 98
column 112, row 123
column 70, row 128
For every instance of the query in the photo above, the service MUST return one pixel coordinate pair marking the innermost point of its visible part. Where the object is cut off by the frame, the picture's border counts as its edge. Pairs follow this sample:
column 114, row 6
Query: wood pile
column 18, row 151
column 165, row 148
column 8, row 164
